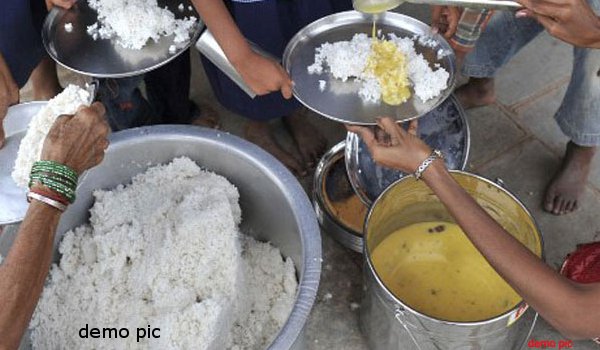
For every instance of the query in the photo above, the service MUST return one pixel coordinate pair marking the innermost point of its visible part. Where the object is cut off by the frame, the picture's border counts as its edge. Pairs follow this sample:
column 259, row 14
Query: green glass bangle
column 56, row 177
column 55, row 172
column 55, row 166
column 66, row 191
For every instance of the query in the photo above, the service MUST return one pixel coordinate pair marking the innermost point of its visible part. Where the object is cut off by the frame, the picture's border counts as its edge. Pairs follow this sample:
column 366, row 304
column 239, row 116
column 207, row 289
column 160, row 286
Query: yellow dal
column 436, row 270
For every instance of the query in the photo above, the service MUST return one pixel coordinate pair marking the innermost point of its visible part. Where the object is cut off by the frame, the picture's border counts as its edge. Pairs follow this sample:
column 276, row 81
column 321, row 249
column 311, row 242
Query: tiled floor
column 515, row 139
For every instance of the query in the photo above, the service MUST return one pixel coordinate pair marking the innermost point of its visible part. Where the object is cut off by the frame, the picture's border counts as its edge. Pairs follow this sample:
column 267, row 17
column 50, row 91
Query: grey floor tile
column 538, row 119
column 333, row 323
column 543, row 331
column 492, row 132
column 526, row 170
column 541, row 63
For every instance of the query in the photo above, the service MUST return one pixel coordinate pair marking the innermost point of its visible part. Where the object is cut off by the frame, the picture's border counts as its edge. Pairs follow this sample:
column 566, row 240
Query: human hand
column 264, row 75
column 66, row 4
column 573, row 21
column 9, row 94
column 444, row 20
column 397, row 148
column 78, row 141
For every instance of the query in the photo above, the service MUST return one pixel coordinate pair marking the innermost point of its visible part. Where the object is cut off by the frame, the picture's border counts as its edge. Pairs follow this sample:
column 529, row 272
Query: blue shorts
column 20, row 36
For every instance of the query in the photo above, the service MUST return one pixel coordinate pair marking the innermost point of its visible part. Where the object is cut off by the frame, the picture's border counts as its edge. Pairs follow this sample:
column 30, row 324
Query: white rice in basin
column 166, row 251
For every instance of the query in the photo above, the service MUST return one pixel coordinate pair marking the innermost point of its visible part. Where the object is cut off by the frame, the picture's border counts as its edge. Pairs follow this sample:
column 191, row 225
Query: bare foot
column 44, row 80
column 477, row 92
column 565, row 189
column 205, row 116
column 310, row 142
column 260, row 134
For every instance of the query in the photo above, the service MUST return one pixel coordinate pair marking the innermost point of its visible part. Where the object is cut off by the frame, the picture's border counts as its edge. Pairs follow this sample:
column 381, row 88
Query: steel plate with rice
column 67, row 41
column 340, row 100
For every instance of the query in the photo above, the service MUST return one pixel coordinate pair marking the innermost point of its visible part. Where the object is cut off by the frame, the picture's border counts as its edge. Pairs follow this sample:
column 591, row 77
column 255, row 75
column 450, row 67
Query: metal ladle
column 378, row 6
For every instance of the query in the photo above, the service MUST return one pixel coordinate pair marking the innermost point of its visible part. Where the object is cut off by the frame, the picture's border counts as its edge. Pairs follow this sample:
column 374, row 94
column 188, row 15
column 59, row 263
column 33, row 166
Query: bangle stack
column 58, row 184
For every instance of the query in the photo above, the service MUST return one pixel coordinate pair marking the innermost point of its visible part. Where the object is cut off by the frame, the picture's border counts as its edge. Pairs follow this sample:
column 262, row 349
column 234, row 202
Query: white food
column 30, row 149
column 69, row 27
column 181, row 7
column 322, row 85
column 172, row 49
column 134, row 22
column 348, row 59
column 166, row 251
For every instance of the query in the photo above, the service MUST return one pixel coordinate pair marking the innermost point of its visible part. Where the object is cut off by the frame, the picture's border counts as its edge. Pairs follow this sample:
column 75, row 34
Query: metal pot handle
column 399, row 314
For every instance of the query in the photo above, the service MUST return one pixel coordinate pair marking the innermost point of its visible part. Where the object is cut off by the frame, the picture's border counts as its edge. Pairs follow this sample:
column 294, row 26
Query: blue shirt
column 20, row 37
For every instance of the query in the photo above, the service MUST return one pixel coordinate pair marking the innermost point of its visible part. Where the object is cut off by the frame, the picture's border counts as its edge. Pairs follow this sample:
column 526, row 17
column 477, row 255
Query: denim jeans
column 579, row 114
column 168, row 101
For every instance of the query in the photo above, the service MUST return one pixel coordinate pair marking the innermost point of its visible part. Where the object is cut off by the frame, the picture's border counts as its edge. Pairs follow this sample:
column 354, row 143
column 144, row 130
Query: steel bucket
column 275, row 208
column 389, row 323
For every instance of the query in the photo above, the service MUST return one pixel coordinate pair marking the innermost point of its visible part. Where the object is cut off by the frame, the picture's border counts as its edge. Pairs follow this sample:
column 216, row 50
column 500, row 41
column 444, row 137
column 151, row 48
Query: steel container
column 275, row 208
column 331, row 189
column 389, row 323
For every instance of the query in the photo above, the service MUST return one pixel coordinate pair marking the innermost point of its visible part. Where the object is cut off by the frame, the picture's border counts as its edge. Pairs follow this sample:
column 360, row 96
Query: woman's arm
column 76, row 141
column 262, row 74
column 573, row 309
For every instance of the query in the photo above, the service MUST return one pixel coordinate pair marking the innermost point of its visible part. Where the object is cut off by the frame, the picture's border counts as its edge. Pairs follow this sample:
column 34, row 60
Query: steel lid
column 444, row 128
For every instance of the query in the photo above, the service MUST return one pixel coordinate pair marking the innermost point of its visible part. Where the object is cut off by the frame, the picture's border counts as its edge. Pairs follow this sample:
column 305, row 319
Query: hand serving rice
column 386, row 68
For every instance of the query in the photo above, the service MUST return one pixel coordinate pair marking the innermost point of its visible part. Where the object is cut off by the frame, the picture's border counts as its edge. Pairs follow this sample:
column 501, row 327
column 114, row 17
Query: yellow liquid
column 375, row 8
column 436, row 270
column 389, row 66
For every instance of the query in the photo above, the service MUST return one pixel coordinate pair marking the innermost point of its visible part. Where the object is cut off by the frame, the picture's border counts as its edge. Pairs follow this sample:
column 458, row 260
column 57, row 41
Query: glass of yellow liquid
column 375, row 6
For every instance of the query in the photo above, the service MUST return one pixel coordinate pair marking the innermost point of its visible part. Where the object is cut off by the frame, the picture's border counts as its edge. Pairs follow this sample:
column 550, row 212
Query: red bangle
column 42, row 191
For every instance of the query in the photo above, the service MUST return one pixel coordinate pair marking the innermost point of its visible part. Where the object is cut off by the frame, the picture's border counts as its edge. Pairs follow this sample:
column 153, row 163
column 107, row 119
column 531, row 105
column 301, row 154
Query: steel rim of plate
column 57, row 12
column 352, row 157
column 308, row 39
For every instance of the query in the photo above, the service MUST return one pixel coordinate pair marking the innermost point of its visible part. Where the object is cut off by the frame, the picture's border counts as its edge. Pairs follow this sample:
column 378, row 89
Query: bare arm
column 260, row 73
column 23, row 272
column 574, row 309
column 79, row 142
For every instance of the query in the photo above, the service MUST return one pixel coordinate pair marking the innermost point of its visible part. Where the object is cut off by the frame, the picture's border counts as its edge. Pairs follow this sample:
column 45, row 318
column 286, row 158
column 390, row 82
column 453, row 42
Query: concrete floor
column 515, row 139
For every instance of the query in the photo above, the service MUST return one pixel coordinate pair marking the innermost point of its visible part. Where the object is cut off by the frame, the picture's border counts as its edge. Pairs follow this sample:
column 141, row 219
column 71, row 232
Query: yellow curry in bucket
column 434, row 268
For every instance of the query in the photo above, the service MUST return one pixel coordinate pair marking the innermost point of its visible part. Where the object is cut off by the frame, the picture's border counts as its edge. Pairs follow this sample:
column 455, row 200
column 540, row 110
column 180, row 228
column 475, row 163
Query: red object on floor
column 583, row 265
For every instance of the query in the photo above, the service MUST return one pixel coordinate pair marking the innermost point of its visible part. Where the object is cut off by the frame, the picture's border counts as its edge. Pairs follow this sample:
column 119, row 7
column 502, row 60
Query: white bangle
column 46, row 200
column 427, row 162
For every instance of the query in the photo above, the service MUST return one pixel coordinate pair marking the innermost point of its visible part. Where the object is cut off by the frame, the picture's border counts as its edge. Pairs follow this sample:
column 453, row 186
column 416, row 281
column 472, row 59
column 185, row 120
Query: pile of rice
column 134, row 22
column 166, row 251
column 348, row 59
column 30, row 149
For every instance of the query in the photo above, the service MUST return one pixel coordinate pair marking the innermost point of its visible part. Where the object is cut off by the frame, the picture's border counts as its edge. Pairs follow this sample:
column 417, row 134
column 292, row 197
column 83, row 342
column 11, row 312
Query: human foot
column 260, row 134
column 310, row 142
column 565, row 189
column 205, row 115
column 477, row 92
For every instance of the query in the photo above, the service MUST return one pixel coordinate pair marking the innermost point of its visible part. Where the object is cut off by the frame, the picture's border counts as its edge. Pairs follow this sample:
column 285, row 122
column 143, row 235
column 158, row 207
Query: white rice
column 322, row 85
column 166, row 251
column 30, row 149
column 133, row 22
column 348, row 59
